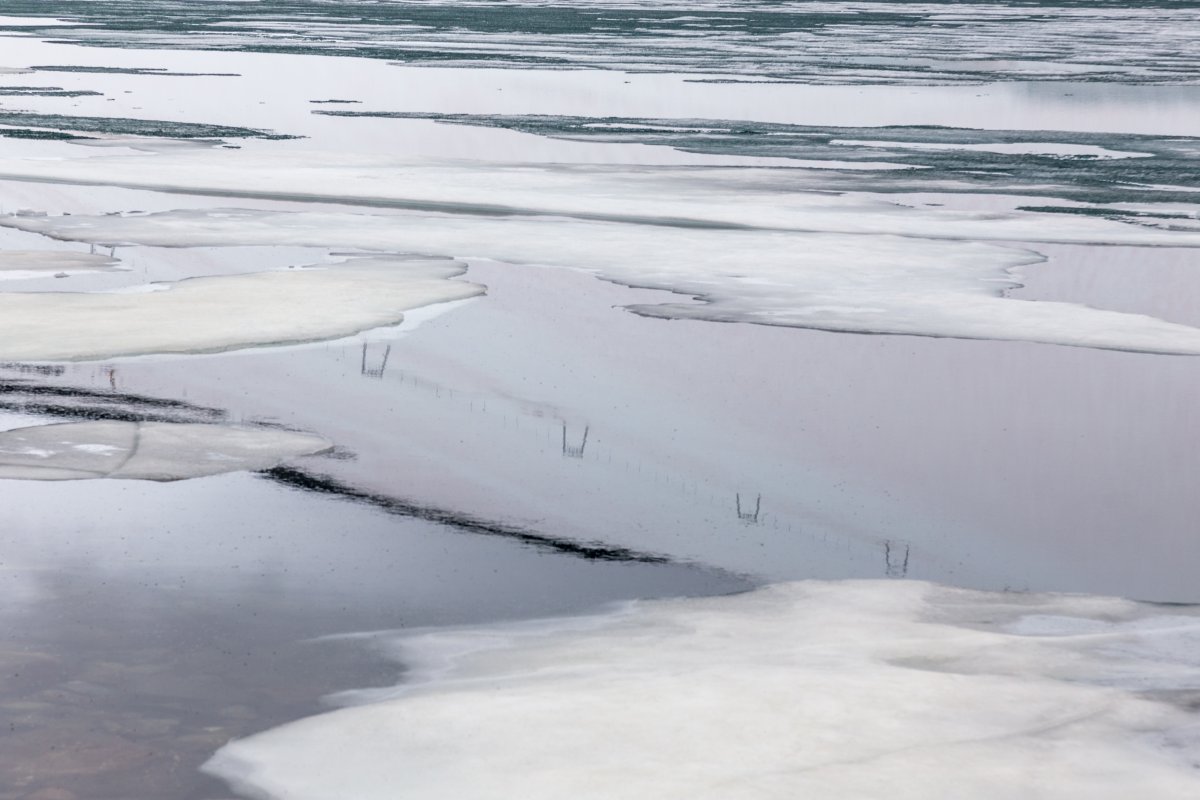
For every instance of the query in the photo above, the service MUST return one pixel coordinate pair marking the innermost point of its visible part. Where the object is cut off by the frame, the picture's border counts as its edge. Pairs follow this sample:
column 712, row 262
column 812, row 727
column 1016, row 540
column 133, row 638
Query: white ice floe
column 852, row 690
column 861, row 276
column 795, row 199
column 16, row 264
column 217, row 313
column 154, row 451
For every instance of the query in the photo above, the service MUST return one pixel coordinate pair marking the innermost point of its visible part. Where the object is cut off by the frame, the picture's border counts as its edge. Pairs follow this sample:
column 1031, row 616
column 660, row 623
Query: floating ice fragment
column 841, row 690
column 225, row 312
column 155, row 451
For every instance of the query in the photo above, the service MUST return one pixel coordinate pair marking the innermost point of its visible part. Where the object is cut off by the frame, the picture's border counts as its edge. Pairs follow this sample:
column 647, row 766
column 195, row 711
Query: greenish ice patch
column 792, row 40
column 1084, row 167
column 30, row 133
column 156, row 71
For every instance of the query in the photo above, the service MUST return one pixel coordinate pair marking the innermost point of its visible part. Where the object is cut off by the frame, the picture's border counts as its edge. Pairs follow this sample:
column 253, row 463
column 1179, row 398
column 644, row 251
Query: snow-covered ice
column 846, row 690
column 217, row 313
column 860, row 273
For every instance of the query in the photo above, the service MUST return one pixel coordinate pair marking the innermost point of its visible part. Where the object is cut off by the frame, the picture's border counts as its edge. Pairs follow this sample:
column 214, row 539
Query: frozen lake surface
column 745, row 381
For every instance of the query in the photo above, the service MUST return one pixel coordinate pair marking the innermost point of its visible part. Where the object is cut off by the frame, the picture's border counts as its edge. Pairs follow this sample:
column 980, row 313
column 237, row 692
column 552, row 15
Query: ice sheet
column 225, row 312
column 695, row 197
column 257, row 98
column 846, row 690
column 877, row 283
column 154, row 451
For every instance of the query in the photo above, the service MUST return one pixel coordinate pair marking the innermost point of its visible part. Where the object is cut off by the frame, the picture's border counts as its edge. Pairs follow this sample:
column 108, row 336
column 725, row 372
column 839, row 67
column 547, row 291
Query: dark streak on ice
column 73, row 403
column 590, row 551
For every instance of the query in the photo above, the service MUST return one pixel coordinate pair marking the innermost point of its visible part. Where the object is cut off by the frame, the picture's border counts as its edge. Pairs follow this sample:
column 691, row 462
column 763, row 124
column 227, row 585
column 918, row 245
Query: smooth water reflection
column 146, row 624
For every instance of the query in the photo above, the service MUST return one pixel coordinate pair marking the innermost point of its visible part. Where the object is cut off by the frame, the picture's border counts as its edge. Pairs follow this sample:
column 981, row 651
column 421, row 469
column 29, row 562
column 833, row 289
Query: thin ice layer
column 18, row 263
column 154, row 451
column 877, row 282
column 701, row 197
column 226, row 312
column 843, row 690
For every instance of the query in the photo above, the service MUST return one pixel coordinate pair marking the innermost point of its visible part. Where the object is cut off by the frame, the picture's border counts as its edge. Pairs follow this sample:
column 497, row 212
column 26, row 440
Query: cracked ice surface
column 153, row 451
column 827, row 42
column 796, row 690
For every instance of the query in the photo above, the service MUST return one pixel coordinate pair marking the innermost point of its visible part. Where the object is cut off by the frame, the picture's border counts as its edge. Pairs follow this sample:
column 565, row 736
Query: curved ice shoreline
column 855, row 270
column 847, row 690
column 194, row 315
column 154, row 451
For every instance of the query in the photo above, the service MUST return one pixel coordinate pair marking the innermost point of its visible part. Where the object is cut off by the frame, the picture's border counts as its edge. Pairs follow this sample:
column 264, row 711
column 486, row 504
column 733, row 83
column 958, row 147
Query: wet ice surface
column 880, row 455
column 582, row 442
column 155, row 451
column 538, row 450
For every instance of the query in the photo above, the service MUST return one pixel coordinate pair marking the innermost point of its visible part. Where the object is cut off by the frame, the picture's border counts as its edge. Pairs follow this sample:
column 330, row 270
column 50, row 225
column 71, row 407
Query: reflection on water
column 590, row 551
column 145, row 625
column 539, row 417
column 575, row 450
column 378, row 358
column 747, row 515
column 895, row 556
column 542, row 451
